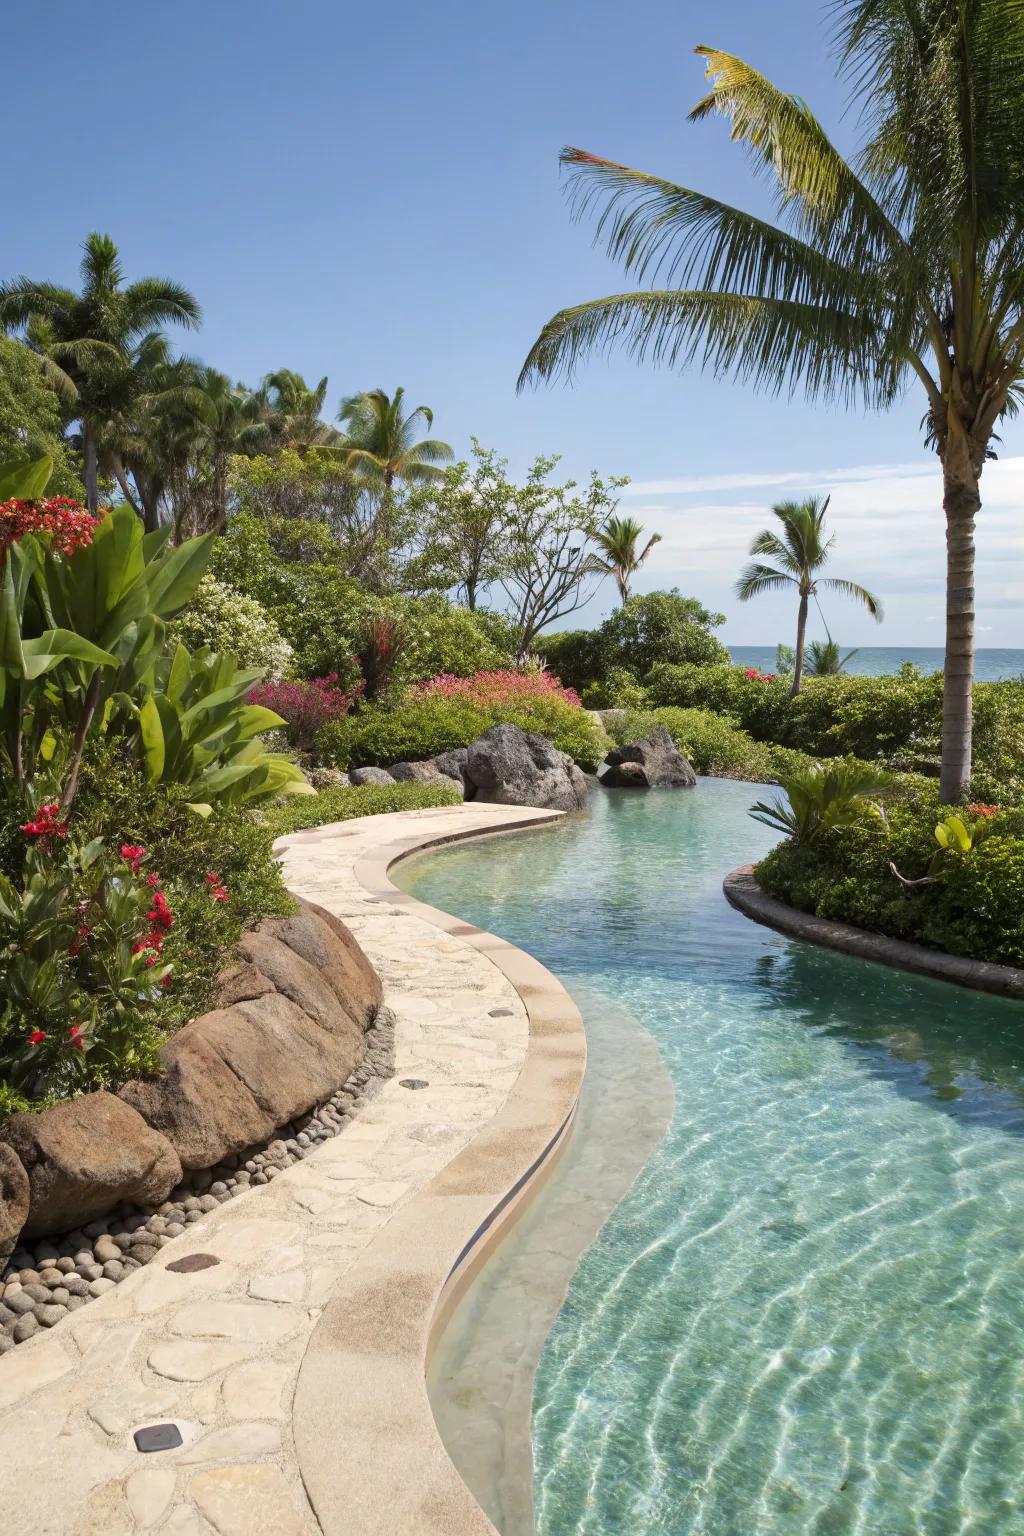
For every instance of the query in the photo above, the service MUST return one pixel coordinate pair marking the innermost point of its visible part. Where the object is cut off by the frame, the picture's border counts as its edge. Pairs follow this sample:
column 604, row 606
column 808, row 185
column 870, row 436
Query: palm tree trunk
column 961, row 501
column 798, row 657
column 92, row 486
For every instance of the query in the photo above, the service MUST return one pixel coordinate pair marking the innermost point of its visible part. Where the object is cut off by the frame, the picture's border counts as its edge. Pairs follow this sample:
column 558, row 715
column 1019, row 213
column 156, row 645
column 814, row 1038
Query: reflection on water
column 807, row 1315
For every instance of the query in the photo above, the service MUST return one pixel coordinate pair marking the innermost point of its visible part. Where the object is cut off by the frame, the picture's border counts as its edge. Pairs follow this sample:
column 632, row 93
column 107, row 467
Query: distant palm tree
column 85, row 339
column 619, row 540
column 801, row 550
column 292, row 411
column 227, row 422
column 380, row 442
column 824, row 658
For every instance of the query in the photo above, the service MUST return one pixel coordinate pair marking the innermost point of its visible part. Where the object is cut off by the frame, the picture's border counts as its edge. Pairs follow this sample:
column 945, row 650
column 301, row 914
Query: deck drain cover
column 500, row 1013
column 413, row 1082
column 191, row 1262
column 158, row 1437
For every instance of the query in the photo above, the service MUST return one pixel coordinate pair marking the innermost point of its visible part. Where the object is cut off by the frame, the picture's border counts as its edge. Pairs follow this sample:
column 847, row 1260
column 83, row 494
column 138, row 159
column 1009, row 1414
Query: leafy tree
column 292, row 411
column 31, row 419
column 86, row 338
column 619, row 544
column 907, row 266
column 660, row 628
column 380, row 442
column 800, row 552
column 222, row 423
column 545, row 552
column 461, row 517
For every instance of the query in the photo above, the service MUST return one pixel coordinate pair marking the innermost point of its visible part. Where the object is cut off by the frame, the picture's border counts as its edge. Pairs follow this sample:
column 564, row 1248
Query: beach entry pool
column 807, row 1315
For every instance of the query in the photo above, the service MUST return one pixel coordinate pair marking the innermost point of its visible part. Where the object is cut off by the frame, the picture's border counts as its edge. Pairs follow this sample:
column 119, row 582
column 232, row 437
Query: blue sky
column 374, row 194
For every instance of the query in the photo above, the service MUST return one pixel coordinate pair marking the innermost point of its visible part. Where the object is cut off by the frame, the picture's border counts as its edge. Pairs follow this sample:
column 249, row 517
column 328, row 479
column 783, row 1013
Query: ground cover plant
column 343, row 802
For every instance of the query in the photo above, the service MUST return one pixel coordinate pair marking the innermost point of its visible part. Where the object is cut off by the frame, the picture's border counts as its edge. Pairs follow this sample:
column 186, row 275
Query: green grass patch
column 342, row 804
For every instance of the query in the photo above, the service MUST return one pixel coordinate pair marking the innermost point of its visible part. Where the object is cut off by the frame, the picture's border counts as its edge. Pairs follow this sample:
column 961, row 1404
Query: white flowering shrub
column 227, row 620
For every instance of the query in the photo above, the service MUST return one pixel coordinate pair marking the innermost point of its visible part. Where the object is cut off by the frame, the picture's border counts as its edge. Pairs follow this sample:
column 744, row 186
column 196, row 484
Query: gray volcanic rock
column 507, row 766
column 418, row 773
column 452, row 765
column 360, row 776
column 654, row 762
column 85, row 1155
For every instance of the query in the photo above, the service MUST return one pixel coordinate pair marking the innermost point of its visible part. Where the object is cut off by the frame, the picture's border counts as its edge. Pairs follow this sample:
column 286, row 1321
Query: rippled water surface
column 808, row 1314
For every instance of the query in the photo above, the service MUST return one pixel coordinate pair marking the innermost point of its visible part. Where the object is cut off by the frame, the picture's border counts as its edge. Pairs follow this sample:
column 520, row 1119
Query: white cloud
column 890, row 536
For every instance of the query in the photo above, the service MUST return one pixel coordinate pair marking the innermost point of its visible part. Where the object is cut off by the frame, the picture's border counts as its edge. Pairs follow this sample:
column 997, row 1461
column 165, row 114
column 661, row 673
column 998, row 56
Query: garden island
column 652, row 1166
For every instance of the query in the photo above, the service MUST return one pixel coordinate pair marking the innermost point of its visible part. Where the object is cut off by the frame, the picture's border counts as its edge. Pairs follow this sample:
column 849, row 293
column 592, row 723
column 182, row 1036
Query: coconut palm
column 380, row 442
column 292, row 411
column 800, row 551
column 908, row 266
column 84, row 339
column 824, row 658
column 619, row 541
column 226, row 421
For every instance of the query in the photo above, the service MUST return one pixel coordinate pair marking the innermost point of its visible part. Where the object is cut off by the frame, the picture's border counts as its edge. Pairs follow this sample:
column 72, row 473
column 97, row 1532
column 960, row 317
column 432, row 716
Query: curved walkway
column 335, row 1269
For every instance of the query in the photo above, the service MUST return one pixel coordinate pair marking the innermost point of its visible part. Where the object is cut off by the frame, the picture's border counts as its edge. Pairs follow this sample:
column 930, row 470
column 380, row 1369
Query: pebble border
column 46, row 1280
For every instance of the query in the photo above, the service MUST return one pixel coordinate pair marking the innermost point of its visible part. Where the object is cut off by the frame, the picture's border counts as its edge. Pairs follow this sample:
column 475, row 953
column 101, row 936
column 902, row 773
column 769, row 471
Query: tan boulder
column 239, row 983
column 284, row 1058
column 296, row 979
column 324, row 942
column 84, row 1156
column 14, row 1199
column 199, row 1103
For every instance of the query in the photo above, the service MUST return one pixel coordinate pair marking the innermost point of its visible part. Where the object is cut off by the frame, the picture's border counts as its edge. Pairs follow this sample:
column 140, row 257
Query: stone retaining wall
column 743, row 892
column 287, row 1031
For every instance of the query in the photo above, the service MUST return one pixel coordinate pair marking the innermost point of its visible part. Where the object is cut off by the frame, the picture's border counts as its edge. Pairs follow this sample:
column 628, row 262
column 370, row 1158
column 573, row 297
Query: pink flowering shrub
column 306, row 706
column 496, row 688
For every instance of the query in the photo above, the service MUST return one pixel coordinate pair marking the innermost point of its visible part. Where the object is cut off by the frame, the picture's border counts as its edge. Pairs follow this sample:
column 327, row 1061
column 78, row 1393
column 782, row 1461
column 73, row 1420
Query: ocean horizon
column 991, row 663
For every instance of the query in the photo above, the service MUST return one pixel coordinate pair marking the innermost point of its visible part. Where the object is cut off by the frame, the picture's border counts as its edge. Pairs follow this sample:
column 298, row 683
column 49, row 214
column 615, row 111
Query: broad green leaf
column 174, row 577
column 152, row 733
column 24, row 479
column 57, row 645
column 11, row 654
column 200, row 808
column 254, row 718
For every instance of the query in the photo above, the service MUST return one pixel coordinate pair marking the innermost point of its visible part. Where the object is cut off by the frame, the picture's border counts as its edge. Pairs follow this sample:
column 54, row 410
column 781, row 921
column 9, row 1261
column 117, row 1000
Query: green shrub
column 896, row 717
column 341, row 804
column 619, row 690
column 999, row 743
column 575, row 656
column 422, row 727
column 658, row 627
column 972, row 903
column 760, row 705
column 712, row 744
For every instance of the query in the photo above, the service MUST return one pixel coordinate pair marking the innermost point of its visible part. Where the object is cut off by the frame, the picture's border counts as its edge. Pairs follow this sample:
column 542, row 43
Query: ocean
column 990, row 664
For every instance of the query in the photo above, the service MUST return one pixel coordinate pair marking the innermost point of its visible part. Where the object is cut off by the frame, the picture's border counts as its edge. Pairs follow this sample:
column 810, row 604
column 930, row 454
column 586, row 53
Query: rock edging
column 743, row 892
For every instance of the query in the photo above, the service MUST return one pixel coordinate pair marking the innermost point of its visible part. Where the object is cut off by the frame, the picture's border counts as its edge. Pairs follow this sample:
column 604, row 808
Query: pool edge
column 406, row 1284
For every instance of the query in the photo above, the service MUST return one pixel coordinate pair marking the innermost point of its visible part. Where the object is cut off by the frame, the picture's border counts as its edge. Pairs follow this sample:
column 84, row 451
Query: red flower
column 160, row 914
column 153, row 881
column 133, row 855
column 37, row 1037
column 47, row 824
column 980, row 809
column 218, row 891
column 66, row 522
column 85, row 932
column 75, row 1038
column 502, row 686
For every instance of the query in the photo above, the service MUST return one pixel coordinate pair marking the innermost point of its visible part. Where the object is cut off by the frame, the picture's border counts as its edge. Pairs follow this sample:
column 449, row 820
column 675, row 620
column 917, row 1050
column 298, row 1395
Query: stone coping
column 743, row 892
column 362, row 1384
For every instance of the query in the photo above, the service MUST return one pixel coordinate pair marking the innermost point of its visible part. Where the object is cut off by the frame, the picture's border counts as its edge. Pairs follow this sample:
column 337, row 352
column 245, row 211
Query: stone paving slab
column 218, row 1351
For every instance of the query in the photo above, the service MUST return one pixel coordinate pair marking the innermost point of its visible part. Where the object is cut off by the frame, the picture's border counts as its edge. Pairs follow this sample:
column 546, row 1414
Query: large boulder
column 654, row 762
column 452, row 765
column 330, row 947
column 360, row 776
column 507, row 766
column 199, row 1104
column 298, row 980
column 84, row 1156
column 14, row 1199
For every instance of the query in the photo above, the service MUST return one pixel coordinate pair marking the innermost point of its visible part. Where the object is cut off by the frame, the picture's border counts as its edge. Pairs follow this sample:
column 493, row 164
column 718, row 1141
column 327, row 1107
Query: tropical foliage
column 821, row 797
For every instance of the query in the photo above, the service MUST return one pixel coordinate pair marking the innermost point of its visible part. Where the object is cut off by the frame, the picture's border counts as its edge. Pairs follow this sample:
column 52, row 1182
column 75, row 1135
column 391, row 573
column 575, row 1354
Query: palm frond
column 859, row 594
column 755, row 579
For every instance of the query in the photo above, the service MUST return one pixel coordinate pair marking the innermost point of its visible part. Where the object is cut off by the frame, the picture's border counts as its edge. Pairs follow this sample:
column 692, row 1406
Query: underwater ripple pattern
column 807, row 1316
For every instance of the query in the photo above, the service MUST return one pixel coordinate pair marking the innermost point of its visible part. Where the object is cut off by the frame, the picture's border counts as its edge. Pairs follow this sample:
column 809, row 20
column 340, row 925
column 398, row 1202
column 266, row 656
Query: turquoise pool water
column 807, row 1316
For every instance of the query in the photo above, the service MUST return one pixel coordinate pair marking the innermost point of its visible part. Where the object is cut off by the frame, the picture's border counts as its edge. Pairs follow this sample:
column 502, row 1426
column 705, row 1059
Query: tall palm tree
column 619, row 540
column 226, row 421
column 86, row 338
column 293, row 409
column 381, row 445
column 908, row 266
column 800, row 551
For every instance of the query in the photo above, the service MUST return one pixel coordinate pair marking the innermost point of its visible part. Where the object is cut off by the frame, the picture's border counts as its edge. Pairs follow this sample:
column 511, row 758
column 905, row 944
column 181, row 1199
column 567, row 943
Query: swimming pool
column 807, row 1314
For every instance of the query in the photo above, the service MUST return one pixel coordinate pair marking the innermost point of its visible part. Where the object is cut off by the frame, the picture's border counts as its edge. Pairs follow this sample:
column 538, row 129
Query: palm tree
column 908, row 266
column 226, row 421
column 293, row 409
column 622, row 559
column 86, row 338
column 800, row 551
column 380, row 442
column 824, row 658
